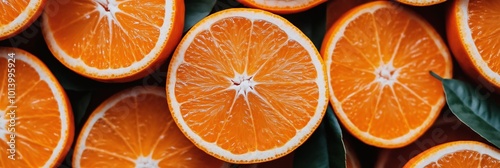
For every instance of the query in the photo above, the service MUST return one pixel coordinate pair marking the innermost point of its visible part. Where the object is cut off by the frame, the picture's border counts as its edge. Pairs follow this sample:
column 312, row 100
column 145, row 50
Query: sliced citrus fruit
column 282, row 6
column 447, row 128
column 18, row 15
column 113, row 40
column 421, row 2
column 134, row 128
column 36, row 122
column 246, row 86
column 457, row 154
column 472, row 32
column 378, row 57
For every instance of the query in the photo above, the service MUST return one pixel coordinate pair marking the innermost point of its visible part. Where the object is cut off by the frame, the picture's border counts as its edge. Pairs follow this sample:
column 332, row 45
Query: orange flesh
column 285, row 77
column 140, row 126
column 11, row 10
column 386, row 112
column 103, row 43
column 38, row 125
column 465, row 158
column 483, row 16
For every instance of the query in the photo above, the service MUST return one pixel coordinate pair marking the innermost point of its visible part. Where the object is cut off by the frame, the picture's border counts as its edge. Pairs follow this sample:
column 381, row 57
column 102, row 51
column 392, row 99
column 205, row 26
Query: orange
column 421, row 2
column 378, row 58
column 445, row 129
column 457, row 154
column 134, row 128
column 472, row 32
column 37, row 121
column 113, row 40
column 246, row 86
column 282, row 6
column 18, row 15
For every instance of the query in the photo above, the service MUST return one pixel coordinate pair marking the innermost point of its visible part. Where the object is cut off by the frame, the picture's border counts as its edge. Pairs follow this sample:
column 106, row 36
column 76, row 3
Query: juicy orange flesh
column 285, row 95
column 104, row 40
column 38, row 124
column 140, row 126
column 465, row 158
column 11, row 10
column 282, row 4
column 370, row 41
column 484, row 28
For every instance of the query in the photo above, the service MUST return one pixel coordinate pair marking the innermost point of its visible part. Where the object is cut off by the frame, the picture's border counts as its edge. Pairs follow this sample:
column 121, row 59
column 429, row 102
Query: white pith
column 58, row 94
column 294, row 34
column 165, row 33
column 96, row 115
column 367, row 137
column 465, row 32
column 22, row 18
column 455, row 147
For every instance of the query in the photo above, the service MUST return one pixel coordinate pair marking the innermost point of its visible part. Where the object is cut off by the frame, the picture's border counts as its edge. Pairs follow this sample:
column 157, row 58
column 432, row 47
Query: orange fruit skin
column 26, row 24
column 71, row 127
column 171, row 43
column 282, row 10
column 335, row 28
column 459, row 50
column 429, row 152
column 410, row 2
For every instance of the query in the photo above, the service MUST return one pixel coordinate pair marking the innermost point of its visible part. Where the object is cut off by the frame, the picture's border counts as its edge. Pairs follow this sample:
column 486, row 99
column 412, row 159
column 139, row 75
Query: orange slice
column 282, row 6
column 472, row 32
column 421, row 2
column 134, row 128
column 378, row 57
column 36, row 122
column 18, row 15
column 246, row 86
column 457, row 154
column 113, row 40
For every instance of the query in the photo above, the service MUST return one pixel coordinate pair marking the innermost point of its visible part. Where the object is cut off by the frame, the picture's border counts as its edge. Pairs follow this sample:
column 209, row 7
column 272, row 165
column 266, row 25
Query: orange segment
column 246, row 86
column 43, row 131
column 113, row 40
column 421, row 2
column 18, row 15
column 282, row 6
column 378, row 58
column 134, row 129
column 457, row 154
column 473, row 34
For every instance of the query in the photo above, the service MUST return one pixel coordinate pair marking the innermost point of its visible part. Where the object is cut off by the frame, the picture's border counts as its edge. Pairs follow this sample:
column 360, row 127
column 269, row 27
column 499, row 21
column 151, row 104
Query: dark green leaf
column 312, row 23
column 80, row 107
column 226, row 4
column 314, row 152
column 196, row 10
column 336, row 148
column 474, row 109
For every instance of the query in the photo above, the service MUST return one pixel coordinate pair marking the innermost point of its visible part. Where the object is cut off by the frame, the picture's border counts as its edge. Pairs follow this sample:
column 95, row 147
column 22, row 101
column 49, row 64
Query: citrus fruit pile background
column 249, row 83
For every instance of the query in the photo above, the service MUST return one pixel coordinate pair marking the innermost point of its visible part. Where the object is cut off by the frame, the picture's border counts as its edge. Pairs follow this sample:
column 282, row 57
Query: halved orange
column 36, row 119
column 473, row 35
column 282, row 6
column 113, row 40
column 458, row 154
column 18, row 15
column 378, row 58
column 421, row 2
column 246, row 86
column 134, row 128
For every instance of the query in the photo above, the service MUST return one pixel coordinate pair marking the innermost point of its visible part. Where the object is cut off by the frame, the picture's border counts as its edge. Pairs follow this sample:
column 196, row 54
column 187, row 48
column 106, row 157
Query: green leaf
column 336, row 148
column 80, row 107
column 312, row 23
column 314, row 152
column 477, row 111
column 196, row 10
